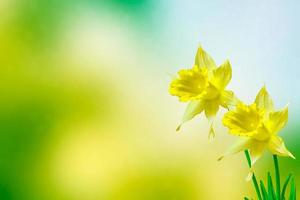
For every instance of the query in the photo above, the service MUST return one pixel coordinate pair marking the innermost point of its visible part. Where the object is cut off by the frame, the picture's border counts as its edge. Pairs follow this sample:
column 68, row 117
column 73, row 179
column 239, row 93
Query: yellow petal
column 228, row 99
column 277, row 146
column 262, row 133
column 193, row 108
column 241, row 145
column 203, row 60
column 264, row 101
column 243, row 121
column 256, row 150
column 277, row 120
column 222, row 75
column 190, row 84
column 211, row 107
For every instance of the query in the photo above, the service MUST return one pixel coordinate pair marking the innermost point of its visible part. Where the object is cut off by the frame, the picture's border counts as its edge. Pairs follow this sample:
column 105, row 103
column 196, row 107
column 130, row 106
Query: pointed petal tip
column 264, row 88
column 220, row 158
column 291, row 155
column 287, row 105
column 178, row 127
column 227, row 61
column 200, row 46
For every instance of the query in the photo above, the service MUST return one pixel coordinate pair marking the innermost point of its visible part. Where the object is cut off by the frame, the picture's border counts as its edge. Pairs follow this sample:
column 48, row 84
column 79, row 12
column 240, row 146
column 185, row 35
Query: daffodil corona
column 258, row 125
column 204, row 87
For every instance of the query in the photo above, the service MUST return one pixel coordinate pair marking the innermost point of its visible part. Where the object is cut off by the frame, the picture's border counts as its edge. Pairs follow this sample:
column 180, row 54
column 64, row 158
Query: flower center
column 251, row 119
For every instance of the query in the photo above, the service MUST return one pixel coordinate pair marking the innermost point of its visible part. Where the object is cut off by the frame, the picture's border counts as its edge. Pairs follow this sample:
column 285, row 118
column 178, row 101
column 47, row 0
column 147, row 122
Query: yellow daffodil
column 203, row 86
column 258, row 125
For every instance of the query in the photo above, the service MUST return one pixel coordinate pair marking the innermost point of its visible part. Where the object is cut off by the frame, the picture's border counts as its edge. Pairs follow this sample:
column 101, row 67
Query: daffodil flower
column 258, row 124
column 203, row 87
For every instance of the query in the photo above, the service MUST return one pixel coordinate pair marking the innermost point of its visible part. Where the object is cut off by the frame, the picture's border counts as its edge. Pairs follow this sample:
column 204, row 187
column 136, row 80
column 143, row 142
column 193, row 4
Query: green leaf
column 285, row 186
column 293, row 190
column 277, row 176
column 263, row 190
column 248, row 158
column 254, row 180
column 271, row 190
column 246, row 198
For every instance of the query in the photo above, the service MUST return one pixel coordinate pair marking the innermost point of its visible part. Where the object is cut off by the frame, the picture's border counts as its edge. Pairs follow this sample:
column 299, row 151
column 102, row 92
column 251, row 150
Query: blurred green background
column 84, row 108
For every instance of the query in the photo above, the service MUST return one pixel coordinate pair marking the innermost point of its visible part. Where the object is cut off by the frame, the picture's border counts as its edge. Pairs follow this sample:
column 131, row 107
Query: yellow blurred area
column 83, row 115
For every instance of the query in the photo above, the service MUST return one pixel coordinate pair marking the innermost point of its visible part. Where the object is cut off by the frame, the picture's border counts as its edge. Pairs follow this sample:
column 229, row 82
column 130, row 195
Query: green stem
column 277, row 176
column 254, row 180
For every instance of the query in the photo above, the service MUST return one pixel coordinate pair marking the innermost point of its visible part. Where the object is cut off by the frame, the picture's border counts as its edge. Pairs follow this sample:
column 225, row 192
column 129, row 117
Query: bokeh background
column 85, row 112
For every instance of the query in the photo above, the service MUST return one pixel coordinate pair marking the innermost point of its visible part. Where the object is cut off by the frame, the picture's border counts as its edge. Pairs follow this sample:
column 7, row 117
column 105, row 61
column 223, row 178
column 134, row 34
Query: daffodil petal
column 277, row 146
column 240, row 145
column 193, row 108
column 264, row 101
column 211, row 108
column 261, row 133
column 277, row 120
column 256, row 150
column 222, row 75
column 190, row 84
column 228, row 99
column 204, row 60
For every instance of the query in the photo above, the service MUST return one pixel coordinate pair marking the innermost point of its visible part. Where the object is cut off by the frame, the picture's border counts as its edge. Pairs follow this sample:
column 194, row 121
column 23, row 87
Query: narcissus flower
column 203, row 86
column 258, row 124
